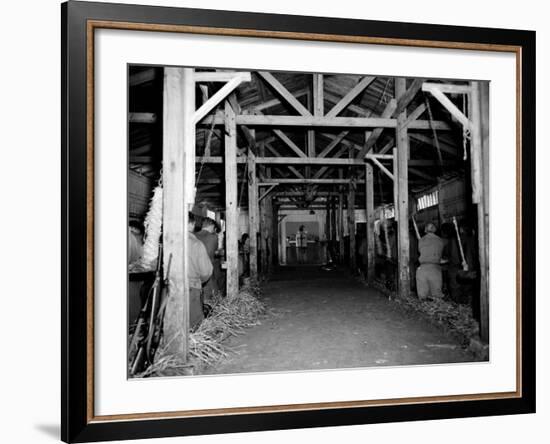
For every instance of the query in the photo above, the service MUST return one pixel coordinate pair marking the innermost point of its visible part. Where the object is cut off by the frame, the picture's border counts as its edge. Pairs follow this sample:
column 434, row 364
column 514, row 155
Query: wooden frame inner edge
column 98, row 24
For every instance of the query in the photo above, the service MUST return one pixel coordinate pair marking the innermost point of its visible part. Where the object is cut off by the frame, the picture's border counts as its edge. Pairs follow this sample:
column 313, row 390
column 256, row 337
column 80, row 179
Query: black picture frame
column 77, row 423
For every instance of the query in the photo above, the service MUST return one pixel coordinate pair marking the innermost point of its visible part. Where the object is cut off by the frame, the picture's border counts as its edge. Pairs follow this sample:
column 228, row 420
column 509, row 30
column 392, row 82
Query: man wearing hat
column 207, row 235
column 199, row 270
column 428, row 275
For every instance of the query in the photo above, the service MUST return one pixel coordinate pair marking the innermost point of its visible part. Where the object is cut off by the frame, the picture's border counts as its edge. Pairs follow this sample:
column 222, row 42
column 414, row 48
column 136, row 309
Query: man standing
column 428, row 275
column 301, row 244
column 199, row 270
column 209, row 238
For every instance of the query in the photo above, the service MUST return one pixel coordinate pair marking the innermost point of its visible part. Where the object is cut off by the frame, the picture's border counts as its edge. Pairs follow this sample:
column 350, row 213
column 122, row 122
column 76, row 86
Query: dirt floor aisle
column 323, row 320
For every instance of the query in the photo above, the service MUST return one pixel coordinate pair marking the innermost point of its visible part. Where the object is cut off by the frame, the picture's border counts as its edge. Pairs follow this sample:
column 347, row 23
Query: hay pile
column 229, row 316
column 456, row 318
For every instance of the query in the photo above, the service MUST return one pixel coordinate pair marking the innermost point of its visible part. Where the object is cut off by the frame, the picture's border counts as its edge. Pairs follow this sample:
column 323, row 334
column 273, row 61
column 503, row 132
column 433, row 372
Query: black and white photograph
column 285, row 221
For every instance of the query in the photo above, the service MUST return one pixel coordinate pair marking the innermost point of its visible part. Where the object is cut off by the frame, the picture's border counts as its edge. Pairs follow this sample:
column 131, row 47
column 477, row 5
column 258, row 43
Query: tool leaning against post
column 465, row 273
column 147, row 335
column 415, row 228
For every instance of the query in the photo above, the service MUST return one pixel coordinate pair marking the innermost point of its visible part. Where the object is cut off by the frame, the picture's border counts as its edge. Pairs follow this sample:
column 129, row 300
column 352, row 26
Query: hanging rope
column 206, row 151
column 465, row 131
column 434, row 132
column 242, row 183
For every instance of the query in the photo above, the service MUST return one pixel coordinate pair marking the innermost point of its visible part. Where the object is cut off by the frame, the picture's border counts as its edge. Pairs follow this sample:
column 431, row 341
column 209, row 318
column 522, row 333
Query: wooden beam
column 408, row 96
column 402, row 204
column 333, row 229
column 221, row 94
column 369, row 209
column 318, row 194
column 310, row 161
column 479, row 142
column 288, row 142
column 231, row 211
column 253, row 216
column 350, row 96
column 273, row 102
column 331, row 161
column 323, row 170
column 328, row 122
column 327, row 230
column 351, row 227
column 178, row 110
column 318, row 95
column 375, row 135
column 274, row 233
column 447, row 103
column 142, row 117
column 382, row 167
column 415, row 115
column 341, row 226
column 395, row 186
column 266, row 192
column 219, row 76
column 248, row 133
column 387, row 147
column 483, row 214
column 274, row 151
column 285, row 93
column 360, row 111
column 145, row 76
column 333, row 144
column 448, row 88
column 282, row 181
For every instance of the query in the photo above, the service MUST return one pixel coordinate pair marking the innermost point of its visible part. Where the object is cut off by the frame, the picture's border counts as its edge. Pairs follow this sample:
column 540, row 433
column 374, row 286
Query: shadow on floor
column 51, row 430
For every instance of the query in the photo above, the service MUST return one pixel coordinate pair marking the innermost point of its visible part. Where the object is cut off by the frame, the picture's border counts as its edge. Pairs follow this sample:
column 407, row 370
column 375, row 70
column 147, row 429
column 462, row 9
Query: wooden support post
column 341, row 226
column 479, row 152
column 369, row 209
column 333, row 226
column 395, row 185
column 268, row 211
column 327, row 227
column 263, row 237
column 351, row 227
column 402, row 205
column 179, row 139
column 274, row 233
column 231, row 210
column 253, row 215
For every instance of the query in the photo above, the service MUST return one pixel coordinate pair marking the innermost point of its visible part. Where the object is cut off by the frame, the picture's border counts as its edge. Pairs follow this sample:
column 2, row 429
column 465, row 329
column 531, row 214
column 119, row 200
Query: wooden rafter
column 273, row 151
column 222, row 93
column 376, row 133
column 408, row 96
column 285, row 93
column 335, row 141
column 350, row 96
column 289, row 143
column 415, row 115
column 436, row 90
